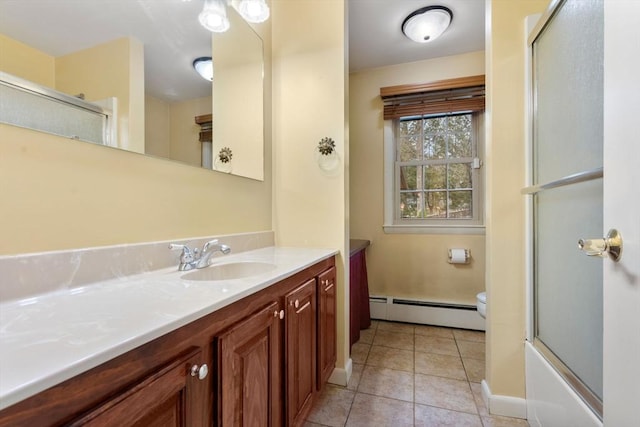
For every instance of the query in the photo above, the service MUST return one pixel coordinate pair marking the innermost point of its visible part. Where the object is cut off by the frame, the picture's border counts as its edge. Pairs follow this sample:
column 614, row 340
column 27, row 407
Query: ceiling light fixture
column 204, row 67
column 214, row 16
column 254, row 11
column 427, row 24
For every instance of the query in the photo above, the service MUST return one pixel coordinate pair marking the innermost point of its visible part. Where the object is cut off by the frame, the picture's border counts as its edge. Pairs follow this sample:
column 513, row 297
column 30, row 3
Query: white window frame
column 393, row 223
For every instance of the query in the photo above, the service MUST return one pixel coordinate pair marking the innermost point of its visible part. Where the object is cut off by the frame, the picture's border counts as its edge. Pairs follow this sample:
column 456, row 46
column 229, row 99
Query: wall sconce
column 204, row 67
column 255, row 11
column 214, row 16
column 327, row 156
column 427, row 24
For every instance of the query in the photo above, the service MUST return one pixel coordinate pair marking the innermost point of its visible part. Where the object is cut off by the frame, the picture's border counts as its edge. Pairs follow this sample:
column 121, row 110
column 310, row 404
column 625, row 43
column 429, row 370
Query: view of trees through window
column 435, row 157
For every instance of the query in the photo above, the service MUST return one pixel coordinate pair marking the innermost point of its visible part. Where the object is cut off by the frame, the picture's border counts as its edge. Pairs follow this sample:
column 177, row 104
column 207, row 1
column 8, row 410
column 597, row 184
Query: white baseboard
column 421, row 312
column 341, row 376
column 507, row 406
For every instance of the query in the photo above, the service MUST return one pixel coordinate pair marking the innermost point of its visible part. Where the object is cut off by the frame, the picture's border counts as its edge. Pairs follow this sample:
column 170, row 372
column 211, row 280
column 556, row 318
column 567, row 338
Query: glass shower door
column 567, row 192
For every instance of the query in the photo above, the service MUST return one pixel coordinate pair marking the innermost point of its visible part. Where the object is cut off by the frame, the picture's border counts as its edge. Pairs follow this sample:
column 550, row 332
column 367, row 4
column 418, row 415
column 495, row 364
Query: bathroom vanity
column 239, row 352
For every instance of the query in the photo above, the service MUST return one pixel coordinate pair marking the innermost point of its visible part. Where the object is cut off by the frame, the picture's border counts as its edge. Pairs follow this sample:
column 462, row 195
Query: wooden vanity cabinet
column 300, row 343
column 166, row 398
column 261, row 356
column 250, row 370
column 327, row 325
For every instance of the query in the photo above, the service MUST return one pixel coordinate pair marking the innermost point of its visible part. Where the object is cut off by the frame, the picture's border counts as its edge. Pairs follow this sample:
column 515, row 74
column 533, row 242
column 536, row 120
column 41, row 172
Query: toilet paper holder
column 459, row 256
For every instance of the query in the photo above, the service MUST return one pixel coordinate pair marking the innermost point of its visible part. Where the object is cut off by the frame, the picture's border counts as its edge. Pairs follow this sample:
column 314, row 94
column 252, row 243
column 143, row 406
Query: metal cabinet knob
column 296, row 304
column 611, row 244
column 200, row 371
column 281, row 314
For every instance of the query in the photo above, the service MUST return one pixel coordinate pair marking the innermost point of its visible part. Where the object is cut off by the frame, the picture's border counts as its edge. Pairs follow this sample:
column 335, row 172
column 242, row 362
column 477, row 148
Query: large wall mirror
column 141, row 54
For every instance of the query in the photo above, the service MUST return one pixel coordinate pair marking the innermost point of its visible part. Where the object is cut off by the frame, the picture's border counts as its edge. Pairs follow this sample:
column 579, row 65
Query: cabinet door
column 250, row 372
column 170, row 397
column 326, row 325
column 300, row 339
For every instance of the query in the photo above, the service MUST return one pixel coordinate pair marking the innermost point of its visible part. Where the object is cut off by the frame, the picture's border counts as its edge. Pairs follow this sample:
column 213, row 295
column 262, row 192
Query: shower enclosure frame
column 585, row 400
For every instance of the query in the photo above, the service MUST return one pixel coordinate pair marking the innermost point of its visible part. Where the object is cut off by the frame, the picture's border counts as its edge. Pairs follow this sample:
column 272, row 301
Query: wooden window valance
column 443, row 96
column 205, row 121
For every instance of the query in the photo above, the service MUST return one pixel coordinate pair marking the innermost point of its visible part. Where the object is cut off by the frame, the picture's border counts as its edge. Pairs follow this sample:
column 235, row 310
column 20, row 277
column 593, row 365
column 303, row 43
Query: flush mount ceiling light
column 204, row 67
column 214, row 16
column 427, row 24
column 255, row 11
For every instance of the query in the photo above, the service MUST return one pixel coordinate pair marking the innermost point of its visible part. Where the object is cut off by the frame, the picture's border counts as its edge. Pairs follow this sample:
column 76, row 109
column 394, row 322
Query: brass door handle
column 611, row 244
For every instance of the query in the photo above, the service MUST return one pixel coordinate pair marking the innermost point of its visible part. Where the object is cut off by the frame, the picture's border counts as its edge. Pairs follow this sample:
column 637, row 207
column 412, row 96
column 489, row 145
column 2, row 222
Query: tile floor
column 411, row 375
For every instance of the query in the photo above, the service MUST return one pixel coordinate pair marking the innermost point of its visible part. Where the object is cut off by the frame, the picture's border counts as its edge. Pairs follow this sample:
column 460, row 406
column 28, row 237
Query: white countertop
column 50, row 338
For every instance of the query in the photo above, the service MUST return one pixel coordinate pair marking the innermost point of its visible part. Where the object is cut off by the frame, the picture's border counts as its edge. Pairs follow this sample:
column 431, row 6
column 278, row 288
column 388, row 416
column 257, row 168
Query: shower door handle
column 611, row 244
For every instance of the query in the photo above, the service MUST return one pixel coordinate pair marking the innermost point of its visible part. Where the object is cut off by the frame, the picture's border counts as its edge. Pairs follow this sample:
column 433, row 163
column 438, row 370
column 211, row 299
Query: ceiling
column 376, row 39
column 172, row 37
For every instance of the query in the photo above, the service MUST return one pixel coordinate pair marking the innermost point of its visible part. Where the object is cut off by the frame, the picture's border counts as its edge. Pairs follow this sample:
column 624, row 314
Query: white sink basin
column 230, row 271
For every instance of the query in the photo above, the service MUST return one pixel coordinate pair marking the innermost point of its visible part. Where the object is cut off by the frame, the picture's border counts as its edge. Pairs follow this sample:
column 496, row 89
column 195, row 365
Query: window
column 433, row 145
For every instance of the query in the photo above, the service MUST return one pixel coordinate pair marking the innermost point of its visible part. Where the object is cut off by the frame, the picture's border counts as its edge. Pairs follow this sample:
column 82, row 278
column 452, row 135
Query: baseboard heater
column 426, row 312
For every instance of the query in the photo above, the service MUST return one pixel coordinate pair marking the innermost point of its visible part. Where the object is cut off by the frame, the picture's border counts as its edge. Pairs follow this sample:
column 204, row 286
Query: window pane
column 460, row 206
column 459, row 123
column 460, row 145
column 435, row 125
column 410, row 127
column 460, row 175
column 436, row 204
column 409, row 149
column 435, row 177
column 411, row 205
column 409, row 178
column 435, row 146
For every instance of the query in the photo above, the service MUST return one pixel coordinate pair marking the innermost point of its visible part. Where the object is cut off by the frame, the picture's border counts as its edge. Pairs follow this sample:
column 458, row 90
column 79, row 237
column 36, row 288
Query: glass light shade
column 255, row 11
column 427, row 24
column 214, row 16
column 204, row 67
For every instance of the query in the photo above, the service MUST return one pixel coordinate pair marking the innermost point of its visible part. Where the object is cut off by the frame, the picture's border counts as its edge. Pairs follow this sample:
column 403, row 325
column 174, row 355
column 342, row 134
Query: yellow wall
column 309, row 95
column 185, row 132
column 171, row 131
column 404, row 265
column 26, row 62
column 157, row 132
column 505, row 177
column 111, row 69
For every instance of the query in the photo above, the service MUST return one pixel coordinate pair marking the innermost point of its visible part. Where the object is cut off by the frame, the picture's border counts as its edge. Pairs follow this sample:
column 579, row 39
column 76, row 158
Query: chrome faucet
column 192, row 258
column 209, row 249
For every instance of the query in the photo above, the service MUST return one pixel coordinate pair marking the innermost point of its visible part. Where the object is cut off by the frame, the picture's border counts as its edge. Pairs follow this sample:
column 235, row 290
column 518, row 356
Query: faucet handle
column 187, row 255
column 205, row 248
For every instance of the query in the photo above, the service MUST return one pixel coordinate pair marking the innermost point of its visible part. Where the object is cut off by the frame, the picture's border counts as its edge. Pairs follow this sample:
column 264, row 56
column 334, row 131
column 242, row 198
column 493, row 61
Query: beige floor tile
column 428, row 416
column 332, row 407
column 474, row 369
column 387, row 383
column 472, row 349
column 394, row 340
column 476, row 389
column 374, row 324
column 467, row 335
column 366, row 336
column 369, row 411
column 444, row 393
column 431, row 344
column 434, row 331
column 403, row 328
column 441, row 365
column 356, row 374
column 392, row 358
column 359, row 352
column 308, row 424
column 504, row 422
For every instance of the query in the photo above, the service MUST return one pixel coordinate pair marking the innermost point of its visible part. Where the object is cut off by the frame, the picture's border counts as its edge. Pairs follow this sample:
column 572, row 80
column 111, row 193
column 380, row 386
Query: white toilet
column 481, row 303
